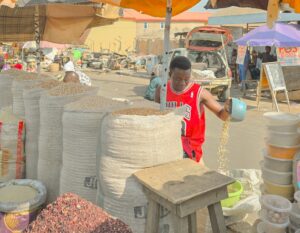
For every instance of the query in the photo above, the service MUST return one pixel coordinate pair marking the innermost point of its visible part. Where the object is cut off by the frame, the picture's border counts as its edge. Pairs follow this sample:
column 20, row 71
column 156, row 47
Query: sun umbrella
column 281, row 35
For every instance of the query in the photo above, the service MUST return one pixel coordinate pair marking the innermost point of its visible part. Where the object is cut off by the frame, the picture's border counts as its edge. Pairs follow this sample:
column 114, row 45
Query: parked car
column 205, row 47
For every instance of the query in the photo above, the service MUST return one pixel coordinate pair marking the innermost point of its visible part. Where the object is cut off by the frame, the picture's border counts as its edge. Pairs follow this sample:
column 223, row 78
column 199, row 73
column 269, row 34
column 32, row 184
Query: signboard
column 272, row 78
column 288, row 56
column 241, row 54
column 275, row 76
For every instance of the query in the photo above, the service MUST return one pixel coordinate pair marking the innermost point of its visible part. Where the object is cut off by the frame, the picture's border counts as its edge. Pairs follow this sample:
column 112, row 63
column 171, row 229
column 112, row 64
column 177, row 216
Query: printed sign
column 288, row 56
column 241, row 55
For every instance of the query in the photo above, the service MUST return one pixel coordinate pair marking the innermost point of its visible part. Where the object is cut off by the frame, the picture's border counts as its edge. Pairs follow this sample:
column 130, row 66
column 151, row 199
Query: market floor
column 246, row 139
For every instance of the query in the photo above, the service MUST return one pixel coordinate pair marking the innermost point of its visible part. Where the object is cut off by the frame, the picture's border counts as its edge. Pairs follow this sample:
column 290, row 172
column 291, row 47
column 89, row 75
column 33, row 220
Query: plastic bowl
column 234, row 194
column 275, row 164
column 238, row 109
column 295, row 216
column 297, row 198
column 281, row 178
column 286, row 191
column 275, row 209
column 281, row 152
column 283, row 138
column 268, row 227
column 281, row 119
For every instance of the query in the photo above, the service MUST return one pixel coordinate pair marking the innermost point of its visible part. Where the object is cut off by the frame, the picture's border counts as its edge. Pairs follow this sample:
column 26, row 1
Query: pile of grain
column 81, row 126
column 32, row 97
column 51, row 132
column 69, row 89
column 70, row 213
column 133, row 139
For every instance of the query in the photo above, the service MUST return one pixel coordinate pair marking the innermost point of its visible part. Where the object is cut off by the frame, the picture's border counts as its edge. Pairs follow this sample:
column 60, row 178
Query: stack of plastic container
column 295, row 215
column 275, row 212
column 282, row 142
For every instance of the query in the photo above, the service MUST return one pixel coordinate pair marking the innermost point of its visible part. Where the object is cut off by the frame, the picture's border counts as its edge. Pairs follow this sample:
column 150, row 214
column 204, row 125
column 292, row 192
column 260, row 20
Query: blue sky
column 199, row 6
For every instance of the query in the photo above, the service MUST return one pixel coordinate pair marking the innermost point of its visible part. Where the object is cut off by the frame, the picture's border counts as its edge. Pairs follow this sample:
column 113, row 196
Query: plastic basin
column 297, row 198
column 286, row 191
column 283, row 138
column 267, row 227
column 275, row 209
column 234, row 194
column 279, row 165
column 281, row 119
column 281, row 152
column 281, row 178
column 295, row 215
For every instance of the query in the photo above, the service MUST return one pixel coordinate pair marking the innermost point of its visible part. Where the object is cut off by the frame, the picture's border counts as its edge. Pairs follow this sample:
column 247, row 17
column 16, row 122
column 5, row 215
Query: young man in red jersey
column 182, row 91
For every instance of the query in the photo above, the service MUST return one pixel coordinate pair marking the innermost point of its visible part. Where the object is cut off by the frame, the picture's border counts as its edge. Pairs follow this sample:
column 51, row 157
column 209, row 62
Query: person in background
column 254, row 71
column 69, row 69
column 155, row 82
column 181, row 91
column 267, row 56
column 71, row 77
column 243, row 70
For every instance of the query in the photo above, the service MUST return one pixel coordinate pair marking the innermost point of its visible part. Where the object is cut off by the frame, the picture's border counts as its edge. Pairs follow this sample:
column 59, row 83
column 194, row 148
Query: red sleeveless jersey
column 193, row 124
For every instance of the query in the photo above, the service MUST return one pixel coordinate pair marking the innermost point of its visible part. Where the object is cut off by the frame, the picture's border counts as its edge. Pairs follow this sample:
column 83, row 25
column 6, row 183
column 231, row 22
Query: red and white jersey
column 193, row 124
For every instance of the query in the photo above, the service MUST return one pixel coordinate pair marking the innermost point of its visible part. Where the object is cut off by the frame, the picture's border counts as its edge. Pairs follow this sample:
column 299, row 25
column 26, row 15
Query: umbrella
column 281, row 35
column 245, row 15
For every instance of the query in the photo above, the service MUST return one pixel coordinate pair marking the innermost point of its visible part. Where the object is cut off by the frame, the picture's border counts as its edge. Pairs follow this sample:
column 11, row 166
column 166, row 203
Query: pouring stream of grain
column 222, row 152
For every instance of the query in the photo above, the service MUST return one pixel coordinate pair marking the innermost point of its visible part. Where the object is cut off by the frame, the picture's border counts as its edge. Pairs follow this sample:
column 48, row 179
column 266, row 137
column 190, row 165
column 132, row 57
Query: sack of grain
column 81, row 126
column 19, row 83
column 32, row 97
column 50, row 138
column 131, row 140
column 12, row 132
column 5, row 90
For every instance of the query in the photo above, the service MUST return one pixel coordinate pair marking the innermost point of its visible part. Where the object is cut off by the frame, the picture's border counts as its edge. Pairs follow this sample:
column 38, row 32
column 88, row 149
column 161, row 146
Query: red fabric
column 18, row 66
column 193, row 125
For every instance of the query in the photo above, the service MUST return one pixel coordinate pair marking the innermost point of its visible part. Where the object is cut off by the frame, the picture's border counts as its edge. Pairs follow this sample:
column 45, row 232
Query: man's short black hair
column 180, row 62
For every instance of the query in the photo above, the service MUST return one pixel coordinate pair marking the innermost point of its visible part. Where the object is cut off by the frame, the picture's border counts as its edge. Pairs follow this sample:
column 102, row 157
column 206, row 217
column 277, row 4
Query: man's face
column 268, row 50
column 180, row 79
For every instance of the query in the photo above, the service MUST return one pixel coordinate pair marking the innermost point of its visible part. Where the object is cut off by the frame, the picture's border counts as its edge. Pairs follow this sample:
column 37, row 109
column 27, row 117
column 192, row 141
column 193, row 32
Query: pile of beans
column 47, row 84
column 141, row 112
column 69, row 89
column 70, row 213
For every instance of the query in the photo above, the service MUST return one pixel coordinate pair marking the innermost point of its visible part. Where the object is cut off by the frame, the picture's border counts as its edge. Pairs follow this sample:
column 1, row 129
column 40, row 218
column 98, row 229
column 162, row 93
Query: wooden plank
column 152, row 221
column 217, row 218
column 202, row 201
column 192, row 223
column 181, row 225
column 181, row 180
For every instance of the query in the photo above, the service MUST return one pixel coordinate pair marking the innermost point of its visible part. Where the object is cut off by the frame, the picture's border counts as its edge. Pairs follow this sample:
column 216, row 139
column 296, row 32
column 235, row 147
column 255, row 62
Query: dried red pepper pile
column 72, row 214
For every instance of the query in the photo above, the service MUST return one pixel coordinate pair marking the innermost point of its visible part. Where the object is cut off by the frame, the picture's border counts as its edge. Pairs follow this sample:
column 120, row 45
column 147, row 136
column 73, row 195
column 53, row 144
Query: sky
column 199, row 6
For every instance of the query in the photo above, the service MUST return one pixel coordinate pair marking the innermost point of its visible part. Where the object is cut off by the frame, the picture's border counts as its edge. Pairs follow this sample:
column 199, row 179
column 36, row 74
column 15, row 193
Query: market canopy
column 58, row 23
column 281, row 35
column 245, row 15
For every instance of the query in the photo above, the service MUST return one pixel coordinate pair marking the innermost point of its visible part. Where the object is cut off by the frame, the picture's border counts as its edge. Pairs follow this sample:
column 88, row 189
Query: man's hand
column 228, row 106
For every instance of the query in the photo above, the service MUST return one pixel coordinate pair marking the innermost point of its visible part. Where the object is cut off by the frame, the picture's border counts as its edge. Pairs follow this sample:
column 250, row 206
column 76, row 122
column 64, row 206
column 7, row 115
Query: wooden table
column 183, row 187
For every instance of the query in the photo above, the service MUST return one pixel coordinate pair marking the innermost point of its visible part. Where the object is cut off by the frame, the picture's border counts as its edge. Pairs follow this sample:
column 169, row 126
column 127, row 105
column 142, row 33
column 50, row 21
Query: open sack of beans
column 32, row 97
column 132, row 139
column 50, row 139
column 70, row 213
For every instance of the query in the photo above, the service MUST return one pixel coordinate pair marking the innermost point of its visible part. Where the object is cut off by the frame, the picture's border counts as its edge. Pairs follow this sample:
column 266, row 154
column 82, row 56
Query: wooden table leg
column 181, row 225
column 152, row 221
column 217, row 218
column 192, row 223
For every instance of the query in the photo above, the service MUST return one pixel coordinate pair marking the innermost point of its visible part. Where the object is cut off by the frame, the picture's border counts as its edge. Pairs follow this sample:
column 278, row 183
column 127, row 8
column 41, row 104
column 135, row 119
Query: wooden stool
column 183, row 187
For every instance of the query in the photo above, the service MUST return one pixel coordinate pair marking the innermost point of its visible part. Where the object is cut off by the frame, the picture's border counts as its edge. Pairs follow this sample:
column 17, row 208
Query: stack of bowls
column 295, row 214
column 283, row 142
column 275, row 212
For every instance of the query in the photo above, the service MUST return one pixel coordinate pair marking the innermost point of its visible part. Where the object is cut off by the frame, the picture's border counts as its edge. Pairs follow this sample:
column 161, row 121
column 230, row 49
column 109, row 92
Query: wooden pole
column 163, row 91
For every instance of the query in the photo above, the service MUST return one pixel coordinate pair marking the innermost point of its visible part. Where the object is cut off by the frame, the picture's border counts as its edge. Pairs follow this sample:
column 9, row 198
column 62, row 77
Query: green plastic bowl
column 234, row 194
